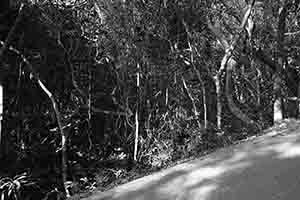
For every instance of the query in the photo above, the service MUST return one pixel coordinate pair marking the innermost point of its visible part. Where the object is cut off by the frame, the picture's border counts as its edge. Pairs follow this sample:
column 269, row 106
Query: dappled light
column 290, row 152
column 149, row 100
column 242, row 170
column 198, row 193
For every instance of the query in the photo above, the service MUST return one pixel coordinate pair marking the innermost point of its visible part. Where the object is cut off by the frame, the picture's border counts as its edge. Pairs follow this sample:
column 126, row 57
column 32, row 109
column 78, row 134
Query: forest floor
column 260, row 167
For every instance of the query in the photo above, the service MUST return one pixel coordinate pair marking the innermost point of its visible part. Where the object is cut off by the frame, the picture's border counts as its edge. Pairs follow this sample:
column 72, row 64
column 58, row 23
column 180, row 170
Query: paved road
column 265, row 168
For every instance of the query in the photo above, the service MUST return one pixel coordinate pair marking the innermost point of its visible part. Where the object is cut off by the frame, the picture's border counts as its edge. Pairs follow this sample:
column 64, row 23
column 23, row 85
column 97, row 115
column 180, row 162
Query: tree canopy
column 98, row 84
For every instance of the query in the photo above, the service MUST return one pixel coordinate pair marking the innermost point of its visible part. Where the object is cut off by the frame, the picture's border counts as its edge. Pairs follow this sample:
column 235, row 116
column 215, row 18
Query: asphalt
column 262, row 168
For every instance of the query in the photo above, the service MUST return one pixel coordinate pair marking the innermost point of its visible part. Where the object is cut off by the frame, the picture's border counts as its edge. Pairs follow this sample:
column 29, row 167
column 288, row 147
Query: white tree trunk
column 219, row 103
column 137, row 114
column 278, row 114
column 89, row 109
column 277, row 106
column 204, row 106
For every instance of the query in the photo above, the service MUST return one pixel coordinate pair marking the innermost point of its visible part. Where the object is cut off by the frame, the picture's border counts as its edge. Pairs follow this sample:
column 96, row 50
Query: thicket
column 113, row 85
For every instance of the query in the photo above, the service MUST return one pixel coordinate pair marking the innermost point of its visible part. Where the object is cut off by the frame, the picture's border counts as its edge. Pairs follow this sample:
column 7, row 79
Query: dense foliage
column 94, row 86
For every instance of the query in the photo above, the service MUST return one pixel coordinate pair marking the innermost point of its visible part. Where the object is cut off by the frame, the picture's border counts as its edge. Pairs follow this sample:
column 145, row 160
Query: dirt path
column 266, row 168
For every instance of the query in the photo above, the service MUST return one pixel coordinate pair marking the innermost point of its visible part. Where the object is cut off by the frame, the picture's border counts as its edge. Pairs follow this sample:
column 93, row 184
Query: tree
column 143, row 78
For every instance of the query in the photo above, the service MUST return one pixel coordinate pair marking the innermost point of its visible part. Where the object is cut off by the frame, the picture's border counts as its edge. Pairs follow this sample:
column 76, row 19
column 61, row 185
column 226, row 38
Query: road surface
column 264, row 168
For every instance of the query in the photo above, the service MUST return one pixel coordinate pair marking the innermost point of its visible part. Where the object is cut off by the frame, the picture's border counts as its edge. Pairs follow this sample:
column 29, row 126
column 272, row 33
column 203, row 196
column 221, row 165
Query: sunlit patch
column 238, row 157
column 173, row 186
column 201, row 174
column 272, row 133
column 210, row 173
column 262, row 152
column 199, row 179
column 279, row 148
column 290, row 152
column 202, row 193
column 284, row 150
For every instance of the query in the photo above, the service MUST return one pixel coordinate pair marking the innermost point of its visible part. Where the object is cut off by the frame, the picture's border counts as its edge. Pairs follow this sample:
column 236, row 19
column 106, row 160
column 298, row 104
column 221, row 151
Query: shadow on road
column 266, row 167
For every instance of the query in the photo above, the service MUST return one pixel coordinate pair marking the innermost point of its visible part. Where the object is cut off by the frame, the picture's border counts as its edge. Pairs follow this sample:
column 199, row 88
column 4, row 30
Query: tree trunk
column 278, row 114
column 219, row 101
column 64, row 136
column 204, row 99
column 258, row 93
column 196, row 113
column 235, row 110
column 204, row 105
column 89, row 109
column 228, row 47
column 241, row 95
column 137, row 114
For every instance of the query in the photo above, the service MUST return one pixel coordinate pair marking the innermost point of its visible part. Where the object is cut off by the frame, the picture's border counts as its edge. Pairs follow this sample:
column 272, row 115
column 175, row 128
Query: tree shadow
column 265, row 167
